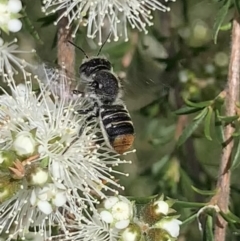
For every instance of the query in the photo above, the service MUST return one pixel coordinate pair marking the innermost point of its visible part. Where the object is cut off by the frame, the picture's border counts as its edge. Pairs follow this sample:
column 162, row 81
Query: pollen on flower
column 95, row 15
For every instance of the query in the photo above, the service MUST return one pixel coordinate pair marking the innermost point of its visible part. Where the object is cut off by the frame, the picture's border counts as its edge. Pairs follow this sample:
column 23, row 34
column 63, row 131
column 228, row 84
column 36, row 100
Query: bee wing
column 57, row 77
column 138, row 94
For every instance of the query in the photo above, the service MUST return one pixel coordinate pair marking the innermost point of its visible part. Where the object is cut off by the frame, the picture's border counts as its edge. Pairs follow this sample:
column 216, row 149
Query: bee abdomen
column 122, row 143
column 118, row 127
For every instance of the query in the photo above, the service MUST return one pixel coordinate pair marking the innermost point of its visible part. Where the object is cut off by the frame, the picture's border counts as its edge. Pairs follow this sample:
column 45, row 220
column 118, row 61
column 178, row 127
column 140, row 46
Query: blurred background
column 177, row 59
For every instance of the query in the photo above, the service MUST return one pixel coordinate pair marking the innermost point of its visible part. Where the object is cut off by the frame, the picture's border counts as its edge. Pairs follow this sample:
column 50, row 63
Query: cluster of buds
column 20, row 168
column 156, row 221
column 9, row 15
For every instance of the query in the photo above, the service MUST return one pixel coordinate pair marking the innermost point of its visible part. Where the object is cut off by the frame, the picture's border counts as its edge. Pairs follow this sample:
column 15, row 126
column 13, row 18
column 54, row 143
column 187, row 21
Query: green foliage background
column 177, row 59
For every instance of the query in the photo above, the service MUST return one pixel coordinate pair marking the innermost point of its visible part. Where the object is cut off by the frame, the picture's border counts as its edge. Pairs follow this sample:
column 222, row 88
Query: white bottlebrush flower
column 115, row 14
column 117, row 211
column 79, row 168
column 9, row 14
column 9, row 62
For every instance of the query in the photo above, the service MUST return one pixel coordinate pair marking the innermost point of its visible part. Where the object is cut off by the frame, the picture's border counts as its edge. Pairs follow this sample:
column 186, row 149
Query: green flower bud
column 131, row 233
column 7, row 158
column 155, row 211
column 156, row 234
column 8, row 188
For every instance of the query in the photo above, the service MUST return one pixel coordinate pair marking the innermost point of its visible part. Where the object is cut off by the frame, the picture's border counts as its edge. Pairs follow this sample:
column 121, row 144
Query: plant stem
column 223, row 185
column 65, row 51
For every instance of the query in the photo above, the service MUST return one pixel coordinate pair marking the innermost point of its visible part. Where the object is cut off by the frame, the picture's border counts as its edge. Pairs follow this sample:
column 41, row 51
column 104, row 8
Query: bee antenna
column 109, row 35
column 79, row 48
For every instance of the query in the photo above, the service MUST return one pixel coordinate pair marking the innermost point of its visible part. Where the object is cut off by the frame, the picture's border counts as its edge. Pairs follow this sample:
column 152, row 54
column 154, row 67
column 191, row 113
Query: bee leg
column 78, row 92
column 91, row 113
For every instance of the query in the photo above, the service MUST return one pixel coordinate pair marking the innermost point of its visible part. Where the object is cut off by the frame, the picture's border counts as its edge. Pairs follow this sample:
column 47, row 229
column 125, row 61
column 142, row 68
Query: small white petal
column 33, row 198
column 60, row 199
column 106, row 216
column 161, row 207
column 109, row 202
column 172, row 226
column 43, row 194
column 14, row 6
column 45, row 207
column 57, row 170
column 14, row 25
column 122, row 224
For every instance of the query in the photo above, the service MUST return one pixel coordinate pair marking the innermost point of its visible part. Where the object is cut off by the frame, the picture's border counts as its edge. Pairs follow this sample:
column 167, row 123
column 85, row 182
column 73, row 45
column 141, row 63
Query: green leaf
column 187, row 110
column 220, row 18
column 230, row 217
column 226, row 27
column 187, row 132
column 30, row 27
column 44, row 162
column 219, row 128
column 48, row 20
column 236, row 158
column 199, row 104
column 189, row 219
column 182, row 204
column 207, row 124
column 208, row 232
column 228, row 119
column 204, row 192
column 236, row 134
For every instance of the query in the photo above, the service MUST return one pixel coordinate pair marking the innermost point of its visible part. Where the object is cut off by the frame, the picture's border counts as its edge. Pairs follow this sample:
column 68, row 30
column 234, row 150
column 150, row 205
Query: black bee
column 104, row 90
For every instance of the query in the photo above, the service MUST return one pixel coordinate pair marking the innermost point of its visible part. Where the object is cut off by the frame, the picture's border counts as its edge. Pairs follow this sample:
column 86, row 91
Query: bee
column 104, row 90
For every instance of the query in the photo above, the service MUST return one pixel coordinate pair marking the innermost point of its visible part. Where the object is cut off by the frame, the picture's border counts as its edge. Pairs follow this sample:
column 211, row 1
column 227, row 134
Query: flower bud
column 14, row 6
column 24, row 144
column 154, row 211
column 156, row 234
column 14, row 25
column 170, row 225
column 7, row 189
column 7, row 158
column 37, row 176
column 131, row 233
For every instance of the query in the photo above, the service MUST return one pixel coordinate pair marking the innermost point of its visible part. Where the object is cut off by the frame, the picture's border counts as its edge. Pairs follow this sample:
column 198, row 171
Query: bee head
column 93, row 65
